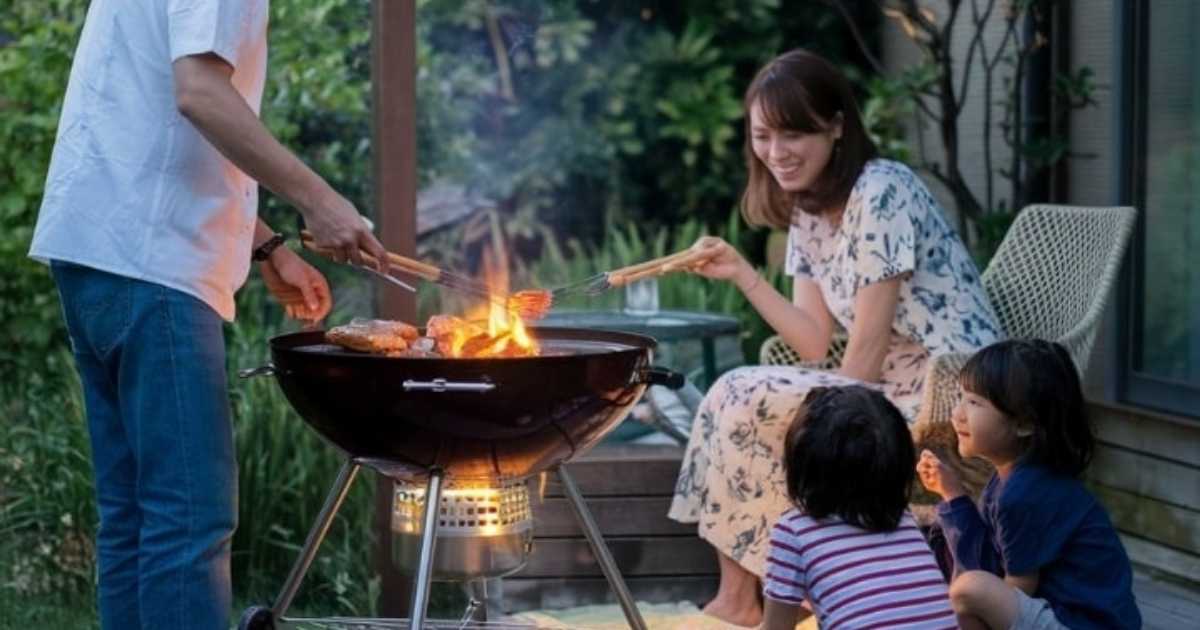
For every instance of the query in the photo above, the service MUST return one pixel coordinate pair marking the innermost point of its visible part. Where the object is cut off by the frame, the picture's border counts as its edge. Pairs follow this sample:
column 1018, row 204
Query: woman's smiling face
column 795, row 159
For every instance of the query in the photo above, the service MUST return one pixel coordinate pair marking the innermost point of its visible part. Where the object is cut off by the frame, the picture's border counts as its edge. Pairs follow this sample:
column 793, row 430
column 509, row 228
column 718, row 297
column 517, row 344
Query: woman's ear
column 1024, row 429
column 838, row 121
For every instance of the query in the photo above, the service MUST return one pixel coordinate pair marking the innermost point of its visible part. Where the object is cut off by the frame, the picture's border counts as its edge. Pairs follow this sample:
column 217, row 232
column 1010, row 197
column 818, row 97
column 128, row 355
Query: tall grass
column 47, row 511
column 285, row 472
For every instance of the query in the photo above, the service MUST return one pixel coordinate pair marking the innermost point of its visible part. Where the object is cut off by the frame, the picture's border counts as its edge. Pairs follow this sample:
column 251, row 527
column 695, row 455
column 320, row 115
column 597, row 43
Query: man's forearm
column 207, row 99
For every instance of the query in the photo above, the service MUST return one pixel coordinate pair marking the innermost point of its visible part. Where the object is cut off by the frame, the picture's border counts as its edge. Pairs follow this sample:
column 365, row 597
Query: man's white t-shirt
column 134, row 188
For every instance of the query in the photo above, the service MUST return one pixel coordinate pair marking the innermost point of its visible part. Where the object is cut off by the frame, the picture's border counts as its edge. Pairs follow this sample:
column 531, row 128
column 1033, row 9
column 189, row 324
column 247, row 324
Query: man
column 149, row 224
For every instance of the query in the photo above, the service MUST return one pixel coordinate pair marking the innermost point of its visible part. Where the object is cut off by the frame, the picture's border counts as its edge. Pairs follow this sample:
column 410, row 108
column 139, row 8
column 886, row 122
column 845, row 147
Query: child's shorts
column 1035, row 614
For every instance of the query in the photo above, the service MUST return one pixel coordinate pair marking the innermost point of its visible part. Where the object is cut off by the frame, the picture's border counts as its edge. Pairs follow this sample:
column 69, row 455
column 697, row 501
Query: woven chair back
column 1053, row 273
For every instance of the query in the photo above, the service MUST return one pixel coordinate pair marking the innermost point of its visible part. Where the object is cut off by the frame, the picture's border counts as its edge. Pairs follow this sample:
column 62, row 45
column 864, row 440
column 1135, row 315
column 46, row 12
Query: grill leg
column 477, row 601
column 420, row 597
column 333, row 501
column 600, row 550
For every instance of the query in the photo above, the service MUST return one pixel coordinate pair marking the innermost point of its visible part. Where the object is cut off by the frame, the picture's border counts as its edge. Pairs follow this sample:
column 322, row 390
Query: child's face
column 984, row 431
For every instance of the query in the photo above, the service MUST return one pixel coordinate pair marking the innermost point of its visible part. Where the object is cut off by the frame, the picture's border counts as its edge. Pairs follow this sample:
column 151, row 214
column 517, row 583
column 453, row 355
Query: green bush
column 33, row 67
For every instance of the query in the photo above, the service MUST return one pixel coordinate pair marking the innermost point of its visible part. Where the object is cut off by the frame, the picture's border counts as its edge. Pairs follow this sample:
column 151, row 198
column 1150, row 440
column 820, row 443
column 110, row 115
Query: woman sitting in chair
column 870, row 249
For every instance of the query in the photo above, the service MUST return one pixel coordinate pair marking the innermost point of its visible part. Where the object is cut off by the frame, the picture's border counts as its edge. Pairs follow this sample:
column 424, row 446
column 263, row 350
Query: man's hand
column 338, row 227
column 297, row 285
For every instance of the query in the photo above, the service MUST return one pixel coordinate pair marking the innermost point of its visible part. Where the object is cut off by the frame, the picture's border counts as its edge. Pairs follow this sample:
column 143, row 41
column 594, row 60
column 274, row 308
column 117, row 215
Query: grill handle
column 262, row 370
column 442, row 385
column 656, row 375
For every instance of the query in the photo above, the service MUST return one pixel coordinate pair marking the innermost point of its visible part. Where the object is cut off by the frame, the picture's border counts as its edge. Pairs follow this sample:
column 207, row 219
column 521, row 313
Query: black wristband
column 262, row 251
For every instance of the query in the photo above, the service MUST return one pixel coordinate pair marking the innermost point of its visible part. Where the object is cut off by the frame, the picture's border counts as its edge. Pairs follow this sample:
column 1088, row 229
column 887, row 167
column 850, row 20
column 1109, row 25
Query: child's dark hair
column 1034, row 382
column 850, row 454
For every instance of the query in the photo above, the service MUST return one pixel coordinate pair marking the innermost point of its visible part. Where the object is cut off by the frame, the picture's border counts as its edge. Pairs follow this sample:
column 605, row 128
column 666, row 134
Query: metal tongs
column 530, row 304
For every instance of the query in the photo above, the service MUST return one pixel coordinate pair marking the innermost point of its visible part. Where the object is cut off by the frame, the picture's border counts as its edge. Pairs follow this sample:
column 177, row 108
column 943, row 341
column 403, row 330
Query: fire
column 493, row 329
column 505, row 335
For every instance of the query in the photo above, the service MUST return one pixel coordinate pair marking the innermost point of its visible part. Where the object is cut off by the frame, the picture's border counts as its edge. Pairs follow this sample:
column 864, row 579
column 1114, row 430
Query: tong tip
column 600, row 285
column 531, row 304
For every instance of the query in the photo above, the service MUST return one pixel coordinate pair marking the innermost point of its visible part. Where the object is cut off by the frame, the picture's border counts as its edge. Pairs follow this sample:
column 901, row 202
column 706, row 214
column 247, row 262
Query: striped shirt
column 855, row 578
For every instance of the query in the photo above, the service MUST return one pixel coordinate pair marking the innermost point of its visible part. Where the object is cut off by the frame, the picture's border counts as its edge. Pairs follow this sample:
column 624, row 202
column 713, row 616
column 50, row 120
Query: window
column 1161, row 128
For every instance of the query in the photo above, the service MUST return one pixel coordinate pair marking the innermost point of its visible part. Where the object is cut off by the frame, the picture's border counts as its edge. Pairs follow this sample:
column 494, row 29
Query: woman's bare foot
column 737, row 601
column 737, row 613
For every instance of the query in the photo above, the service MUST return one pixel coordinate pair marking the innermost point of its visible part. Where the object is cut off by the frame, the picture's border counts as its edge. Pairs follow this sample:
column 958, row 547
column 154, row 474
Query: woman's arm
column 804, row 321
column 871, row 335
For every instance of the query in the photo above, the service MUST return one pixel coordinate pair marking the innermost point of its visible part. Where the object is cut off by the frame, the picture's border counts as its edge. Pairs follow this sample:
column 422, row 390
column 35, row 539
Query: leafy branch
column 1004, row 39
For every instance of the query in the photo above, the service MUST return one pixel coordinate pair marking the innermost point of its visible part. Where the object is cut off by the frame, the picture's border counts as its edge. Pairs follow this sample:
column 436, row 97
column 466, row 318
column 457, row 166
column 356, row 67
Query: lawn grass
column 74, row 611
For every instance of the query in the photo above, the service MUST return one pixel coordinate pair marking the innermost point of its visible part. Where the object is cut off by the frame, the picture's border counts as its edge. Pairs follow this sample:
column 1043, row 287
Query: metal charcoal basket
column 485, row 529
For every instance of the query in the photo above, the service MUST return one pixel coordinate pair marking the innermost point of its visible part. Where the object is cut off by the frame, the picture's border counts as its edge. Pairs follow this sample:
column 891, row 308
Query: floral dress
column 731, row 482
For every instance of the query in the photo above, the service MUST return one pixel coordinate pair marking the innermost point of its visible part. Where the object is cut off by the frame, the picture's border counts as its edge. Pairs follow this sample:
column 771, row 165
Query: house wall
column 1147, row 467
column 977, row 150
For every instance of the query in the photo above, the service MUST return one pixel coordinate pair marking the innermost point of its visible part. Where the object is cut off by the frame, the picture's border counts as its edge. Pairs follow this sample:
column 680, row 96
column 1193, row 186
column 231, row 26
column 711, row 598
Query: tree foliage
column 571, row 114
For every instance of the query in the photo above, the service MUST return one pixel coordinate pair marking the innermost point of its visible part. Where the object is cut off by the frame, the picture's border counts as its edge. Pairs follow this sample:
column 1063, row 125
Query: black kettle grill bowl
column 528, row 415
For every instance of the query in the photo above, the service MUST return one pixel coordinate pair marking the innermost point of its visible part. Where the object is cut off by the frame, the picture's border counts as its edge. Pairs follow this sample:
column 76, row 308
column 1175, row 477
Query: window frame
column 1131, row 63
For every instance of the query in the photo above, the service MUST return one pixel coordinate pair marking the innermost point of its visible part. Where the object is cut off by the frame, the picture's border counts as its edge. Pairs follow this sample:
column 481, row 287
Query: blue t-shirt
column 1046, row 522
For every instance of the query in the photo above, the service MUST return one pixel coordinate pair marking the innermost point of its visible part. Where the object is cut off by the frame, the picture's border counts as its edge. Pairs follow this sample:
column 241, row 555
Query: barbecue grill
column 459, row 437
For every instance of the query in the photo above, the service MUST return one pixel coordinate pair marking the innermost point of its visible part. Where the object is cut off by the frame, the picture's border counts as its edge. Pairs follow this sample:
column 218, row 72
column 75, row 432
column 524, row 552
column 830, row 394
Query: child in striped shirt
column 848, row 551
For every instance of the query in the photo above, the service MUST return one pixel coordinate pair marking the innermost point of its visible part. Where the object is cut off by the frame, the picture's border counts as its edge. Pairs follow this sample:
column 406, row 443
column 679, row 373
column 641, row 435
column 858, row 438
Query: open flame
column 505, row 334
column 491, row 329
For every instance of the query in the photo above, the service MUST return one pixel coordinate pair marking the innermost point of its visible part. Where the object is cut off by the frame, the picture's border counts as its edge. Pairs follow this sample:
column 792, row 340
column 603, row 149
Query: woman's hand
column 718, row 260
column 299, row 287
column 938, row 477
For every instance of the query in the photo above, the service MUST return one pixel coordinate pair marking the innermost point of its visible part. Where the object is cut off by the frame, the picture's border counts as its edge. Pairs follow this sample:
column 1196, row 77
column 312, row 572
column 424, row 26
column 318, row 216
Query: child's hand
column 938, row 477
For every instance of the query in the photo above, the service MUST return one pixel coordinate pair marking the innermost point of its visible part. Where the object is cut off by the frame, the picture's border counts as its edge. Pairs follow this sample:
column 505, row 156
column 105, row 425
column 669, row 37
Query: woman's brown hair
column 801, row 91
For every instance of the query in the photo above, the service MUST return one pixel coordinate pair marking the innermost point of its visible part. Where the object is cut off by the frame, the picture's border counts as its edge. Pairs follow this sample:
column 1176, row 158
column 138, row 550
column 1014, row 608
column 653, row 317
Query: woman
column 870, row 249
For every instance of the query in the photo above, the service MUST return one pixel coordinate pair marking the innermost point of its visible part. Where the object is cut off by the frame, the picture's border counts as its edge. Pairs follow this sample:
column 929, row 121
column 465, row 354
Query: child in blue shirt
column 1038, row 551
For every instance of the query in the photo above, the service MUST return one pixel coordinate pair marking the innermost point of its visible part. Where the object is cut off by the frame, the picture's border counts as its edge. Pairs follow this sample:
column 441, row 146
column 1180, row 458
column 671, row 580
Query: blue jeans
column 152, row 363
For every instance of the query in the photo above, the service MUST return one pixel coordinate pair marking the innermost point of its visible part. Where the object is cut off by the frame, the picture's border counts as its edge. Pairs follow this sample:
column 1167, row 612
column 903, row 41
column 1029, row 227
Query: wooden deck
column 628, row 489
column 1166, row 604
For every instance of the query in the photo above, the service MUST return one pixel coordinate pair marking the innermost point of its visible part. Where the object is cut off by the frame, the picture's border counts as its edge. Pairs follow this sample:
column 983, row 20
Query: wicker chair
column 1050, row 278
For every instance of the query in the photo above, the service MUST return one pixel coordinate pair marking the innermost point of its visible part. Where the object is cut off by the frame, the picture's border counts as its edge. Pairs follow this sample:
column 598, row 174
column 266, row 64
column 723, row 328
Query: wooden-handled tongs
column 678, row 261
column 528, row 304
